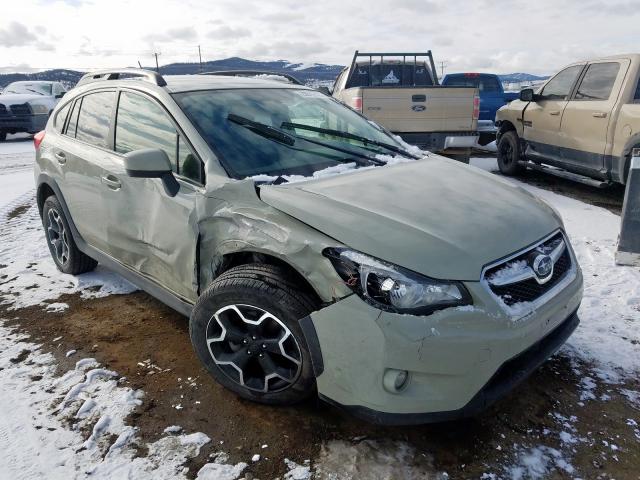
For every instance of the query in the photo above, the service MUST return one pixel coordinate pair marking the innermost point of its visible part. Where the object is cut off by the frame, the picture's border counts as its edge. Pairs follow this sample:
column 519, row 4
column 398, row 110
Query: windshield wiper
column 341, row 134
column 262, row 129
column 278, row 135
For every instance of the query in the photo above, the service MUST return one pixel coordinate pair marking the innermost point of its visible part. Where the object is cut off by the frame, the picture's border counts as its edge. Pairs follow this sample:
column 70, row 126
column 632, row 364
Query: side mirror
column 527, row 95
column 60, row 95
column 325, row 90
column 152, row 163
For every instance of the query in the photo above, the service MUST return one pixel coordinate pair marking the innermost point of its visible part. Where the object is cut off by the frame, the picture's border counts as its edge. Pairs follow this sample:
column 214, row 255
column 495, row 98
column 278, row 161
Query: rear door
column 587, row 116
column 541, row 119
column 83, row 155
column 149, row 231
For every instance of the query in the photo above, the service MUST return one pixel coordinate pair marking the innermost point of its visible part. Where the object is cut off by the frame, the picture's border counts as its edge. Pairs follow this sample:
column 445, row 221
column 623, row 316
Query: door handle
column 599, row 114
column 60, row 157
column 112, row 182
column 554, row 112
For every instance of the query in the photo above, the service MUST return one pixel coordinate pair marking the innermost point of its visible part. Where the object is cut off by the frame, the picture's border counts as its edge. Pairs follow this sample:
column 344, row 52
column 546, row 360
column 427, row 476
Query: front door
column 154, row 234
column 586, row 118
column 541, row 119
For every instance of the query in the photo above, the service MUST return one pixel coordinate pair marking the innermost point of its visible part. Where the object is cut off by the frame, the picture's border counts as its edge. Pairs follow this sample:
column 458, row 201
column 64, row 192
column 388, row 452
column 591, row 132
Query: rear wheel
column 509, row 154
column 245, row 330
column 66, row 255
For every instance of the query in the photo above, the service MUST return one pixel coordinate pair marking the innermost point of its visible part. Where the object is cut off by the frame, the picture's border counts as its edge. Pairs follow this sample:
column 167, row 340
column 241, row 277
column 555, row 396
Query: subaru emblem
column 542, row 266
column 418, row 108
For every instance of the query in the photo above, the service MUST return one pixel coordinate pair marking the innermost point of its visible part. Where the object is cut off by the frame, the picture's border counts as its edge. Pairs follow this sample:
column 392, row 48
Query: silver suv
column 311, row 250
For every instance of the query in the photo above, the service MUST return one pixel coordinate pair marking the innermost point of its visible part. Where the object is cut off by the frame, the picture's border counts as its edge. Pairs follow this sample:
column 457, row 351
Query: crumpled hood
column 435, row 216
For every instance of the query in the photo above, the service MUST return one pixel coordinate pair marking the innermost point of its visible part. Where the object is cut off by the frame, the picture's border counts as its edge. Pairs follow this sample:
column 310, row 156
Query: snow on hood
column 17, row 98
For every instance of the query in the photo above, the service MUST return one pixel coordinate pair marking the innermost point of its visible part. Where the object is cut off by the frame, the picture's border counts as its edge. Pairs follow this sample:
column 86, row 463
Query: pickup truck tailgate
column 421, row 109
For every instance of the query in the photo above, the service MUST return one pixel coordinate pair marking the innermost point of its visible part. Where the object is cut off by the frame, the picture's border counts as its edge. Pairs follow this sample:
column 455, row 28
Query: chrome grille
column 516, row 281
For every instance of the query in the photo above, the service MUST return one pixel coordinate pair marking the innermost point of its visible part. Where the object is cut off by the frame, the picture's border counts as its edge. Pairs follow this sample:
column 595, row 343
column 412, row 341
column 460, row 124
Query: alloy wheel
column 506, row 152
column 57, row 235
column 254, row 348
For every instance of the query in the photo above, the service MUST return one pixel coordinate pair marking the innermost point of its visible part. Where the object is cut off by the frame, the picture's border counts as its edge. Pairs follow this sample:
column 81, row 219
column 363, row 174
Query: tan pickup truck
column 581, row 124
column 400, row 92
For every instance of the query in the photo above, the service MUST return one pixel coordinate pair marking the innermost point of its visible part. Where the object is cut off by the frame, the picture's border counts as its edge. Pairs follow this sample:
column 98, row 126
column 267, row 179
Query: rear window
column 483, row 84
column 390, row 75
column 597, row 83
column 61, row 116
column 95, row 118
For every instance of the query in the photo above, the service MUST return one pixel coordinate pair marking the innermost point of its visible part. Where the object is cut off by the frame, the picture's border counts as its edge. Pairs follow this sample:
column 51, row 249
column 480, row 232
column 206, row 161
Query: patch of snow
column 70, row 353
column 538, row 463
column 218, row 471
column 57, row 307
column 296, row 472
column 173, row 429
column 36, row 443
column 31, row 275
column 255, row 458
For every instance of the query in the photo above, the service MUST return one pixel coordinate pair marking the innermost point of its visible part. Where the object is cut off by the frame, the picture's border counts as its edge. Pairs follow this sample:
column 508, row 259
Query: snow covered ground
column 74, row 425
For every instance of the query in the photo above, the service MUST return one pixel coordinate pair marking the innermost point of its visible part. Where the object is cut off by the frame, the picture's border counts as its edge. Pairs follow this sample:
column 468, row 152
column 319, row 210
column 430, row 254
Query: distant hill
column 303, row 72
column 307, row 73
column 520, row 77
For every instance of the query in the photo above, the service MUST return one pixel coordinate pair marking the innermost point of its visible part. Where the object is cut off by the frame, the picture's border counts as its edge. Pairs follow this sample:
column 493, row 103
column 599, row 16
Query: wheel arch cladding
column 234, row 223
column 44, row 191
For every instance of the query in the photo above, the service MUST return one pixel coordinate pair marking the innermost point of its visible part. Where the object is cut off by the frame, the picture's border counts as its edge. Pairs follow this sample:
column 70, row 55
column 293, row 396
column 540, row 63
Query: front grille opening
column 529, row 290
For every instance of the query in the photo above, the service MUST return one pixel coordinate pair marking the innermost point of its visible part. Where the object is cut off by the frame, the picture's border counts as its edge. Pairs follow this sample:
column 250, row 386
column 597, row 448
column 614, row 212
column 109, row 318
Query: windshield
column 262, row 131
column 26, row 87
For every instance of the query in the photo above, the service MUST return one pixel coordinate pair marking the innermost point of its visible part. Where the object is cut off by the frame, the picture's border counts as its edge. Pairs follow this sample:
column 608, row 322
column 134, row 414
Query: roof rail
column 250, row 73
column 110, row 74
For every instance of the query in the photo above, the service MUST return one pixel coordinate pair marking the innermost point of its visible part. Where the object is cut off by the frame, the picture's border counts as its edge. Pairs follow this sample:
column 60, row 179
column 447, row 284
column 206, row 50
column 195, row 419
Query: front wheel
column 245, row 330
column 509, row 154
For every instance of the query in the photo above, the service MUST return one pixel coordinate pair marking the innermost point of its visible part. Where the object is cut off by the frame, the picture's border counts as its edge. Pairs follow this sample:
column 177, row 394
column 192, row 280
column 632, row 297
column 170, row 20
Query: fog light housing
column 394, row 381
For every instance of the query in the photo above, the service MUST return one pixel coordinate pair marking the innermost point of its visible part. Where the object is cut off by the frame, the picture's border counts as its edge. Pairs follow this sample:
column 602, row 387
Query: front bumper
column 33, row 123
column 460, row 360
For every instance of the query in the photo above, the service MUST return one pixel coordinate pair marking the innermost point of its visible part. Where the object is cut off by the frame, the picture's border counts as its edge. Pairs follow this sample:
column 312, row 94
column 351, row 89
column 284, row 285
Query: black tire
column 254, row 288
column 64, row 251
column 3, row 136
column 509, row 154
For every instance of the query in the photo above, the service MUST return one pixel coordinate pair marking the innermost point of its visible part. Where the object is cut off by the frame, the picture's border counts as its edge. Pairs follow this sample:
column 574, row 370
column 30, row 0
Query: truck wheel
column 66, row 255
column 245, row 330
column 509, row 154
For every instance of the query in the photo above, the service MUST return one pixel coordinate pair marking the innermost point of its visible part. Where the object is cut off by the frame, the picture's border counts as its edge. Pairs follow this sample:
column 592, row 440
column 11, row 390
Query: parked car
column 402, row 94
column 26, row 106
column 584, row 121
column 404, row 289
column 492, row 97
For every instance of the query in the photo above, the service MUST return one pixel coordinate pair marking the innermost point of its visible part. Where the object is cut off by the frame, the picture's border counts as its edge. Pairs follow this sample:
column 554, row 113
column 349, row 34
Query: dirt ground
column 130, row 333
column 147, row 342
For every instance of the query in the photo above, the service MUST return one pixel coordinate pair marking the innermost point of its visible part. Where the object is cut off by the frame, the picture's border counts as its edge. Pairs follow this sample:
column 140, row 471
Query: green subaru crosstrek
column 312, row 251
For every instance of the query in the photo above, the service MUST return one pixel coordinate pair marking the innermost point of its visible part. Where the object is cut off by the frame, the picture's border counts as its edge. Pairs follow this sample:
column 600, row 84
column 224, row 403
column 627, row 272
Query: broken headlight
column 393, row 288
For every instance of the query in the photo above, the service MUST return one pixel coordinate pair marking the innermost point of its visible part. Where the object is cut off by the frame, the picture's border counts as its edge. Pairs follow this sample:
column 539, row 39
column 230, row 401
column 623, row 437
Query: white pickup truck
column 400, row 91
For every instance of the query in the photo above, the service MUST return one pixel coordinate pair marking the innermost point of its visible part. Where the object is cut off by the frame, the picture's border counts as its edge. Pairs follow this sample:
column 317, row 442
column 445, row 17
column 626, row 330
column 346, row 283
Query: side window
column 61, row 116
column 636, row 97
column 188, row 164
column 73, row 119
column 142, row 123
column 559, row 87
column 95, row 118
column 597, row 83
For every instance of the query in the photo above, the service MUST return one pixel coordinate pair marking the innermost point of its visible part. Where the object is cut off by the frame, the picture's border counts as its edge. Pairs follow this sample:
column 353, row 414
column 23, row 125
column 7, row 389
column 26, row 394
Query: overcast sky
column 534, row 36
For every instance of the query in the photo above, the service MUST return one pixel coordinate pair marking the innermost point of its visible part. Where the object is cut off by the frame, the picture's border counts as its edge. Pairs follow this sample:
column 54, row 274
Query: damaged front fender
column 232, row 219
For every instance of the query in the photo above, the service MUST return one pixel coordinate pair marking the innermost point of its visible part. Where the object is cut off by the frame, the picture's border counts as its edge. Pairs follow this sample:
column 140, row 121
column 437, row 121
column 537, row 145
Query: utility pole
column 139, row 64
column 442, row 67
column 157, row 67
column 200, row 56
